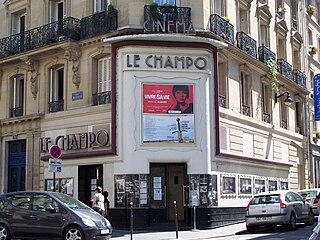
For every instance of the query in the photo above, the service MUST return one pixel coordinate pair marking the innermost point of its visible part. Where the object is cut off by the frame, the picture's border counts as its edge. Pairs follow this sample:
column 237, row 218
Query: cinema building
column 168, row 107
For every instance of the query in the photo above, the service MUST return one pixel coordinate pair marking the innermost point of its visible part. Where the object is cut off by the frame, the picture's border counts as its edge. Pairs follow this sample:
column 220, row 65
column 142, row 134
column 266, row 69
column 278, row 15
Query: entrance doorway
column 90, row 176
column 168, row 183
column 16, row 165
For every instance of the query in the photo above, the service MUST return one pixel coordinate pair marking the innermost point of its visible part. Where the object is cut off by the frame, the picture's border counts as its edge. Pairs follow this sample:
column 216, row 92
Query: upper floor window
column 168, row 2
column 102, row 89
column 266, row 101
column 18, row 23
column 283, row 115
column 223, row 81
column 220, row 7
column 296, row 63
column 17, row 96
column 245, row 93
column 100, row 5
column 299, row 117
column 294, row 14
column 56, row 10
column 56, row 89
column 264, row 35
column 243, row 13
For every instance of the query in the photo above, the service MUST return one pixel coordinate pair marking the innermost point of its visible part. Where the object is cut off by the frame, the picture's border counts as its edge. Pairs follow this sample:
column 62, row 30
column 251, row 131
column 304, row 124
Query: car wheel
column 73, row 233
column 292, row 222
column 311, row 218
column 251, row 229
column 4, row 233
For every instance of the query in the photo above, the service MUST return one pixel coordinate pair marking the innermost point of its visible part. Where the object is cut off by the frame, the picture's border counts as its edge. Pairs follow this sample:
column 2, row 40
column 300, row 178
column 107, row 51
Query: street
column 236, row 231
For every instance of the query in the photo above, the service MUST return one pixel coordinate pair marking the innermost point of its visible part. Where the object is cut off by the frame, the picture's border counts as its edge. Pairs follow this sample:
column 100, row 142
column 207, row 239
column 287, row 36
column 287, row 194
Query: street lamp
column 288, row 99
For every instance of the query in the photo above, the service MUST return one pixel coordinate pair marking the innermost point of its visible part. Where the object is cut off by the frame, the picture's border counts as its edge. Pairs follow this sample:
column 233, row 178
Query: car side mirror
column 50, row 209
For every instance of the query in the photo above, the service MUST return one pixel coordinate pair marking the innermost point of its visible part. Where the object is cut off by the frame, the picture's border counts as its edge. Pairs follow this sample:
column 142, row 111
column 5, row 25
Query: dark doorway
column 16, row 165
column 90, row 176
column 168, row 185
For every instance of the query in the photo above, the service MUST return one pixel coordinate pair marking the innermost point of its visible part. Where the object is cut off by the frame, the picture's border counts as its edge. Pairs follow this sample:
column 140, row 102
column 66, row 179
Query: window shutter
column 224, row 138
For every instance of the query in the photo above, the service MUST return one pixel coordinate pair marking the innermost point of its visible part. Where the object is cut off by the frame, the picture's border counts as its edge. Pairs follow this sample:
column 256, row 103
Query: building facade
column 168, row 105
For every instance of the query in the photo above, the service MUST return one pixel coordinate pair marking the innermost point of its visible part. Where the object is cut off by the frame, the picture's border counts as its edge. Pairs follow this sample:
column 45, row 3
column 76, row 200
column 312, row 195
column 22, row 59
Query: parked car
column 310, row 196
column 49, row 215
column 282, row 207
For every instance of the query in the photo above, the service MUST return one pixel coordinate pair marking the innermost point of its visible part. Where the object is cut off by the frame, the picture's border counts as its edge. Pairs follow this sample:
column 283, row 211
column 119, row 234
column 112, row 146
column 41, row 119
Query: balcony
column 299, row 78
column 265, row 54
column 222, row 28
column 16, row 112
column 284, row 68
column 222, row 101
column 66, row 29
column 56, row 106
column 99, row 23
column 167, row 19
column 101, row 98
column 246, row 110
column 247, row 44
column 266, row 117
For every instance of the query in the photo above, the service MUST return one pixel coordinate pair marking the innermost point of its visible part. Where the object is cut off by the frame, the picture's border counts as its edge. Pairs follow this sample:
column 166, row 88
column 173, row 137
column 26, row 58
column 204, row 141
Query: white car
column 277, row 208
column 310, row 196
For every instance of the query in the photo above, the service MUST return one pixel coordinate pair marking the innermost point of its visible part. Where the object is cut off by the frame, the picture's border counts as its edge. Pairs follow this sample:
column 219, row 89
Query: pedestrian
column 106, row 204
column 97, row 201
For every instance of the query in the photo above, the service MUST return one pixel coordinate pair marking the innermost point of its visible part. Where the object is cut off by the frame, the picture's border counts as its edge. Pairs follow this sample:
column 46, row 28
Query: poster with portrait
column 245, row 186
column 228, row 185
column 168, row 113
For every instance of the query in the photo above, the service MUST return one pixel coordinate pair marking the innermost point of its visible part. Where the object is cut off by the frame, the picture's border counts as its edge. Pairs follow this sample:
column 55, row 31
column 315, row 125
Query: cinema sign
column 168, row 26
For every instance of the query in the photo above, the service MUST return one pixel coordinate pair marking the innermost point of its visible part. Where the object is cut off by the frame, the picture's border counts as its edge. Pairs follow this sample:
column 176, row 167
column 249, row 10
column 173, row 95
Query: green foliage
column 110, row 7
column 318, row 135
column 272, row 65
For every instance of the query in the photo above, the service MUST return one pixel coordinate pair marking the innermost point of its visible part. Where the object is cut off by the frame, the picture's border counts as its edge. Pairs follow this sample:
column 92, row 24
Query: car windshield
column 69, row 201
column 266, row 199
column 308, row 194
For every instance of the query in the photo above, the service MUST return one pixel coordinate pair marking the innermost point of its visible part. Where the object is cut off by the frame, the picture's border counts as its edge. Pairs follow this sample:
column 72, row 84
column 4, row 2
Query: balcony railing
column 65, row 29
column 167, row 19
column 99, row 23
column 56, row 106
column 284, row 124
column 247, row 44
column 16, row 112
column 266, row 117
column 101, row 98
column 222, row 101
column 222, row 28
column 246, row 110
column 284, row 68
column 265, row 54
column 299, row 78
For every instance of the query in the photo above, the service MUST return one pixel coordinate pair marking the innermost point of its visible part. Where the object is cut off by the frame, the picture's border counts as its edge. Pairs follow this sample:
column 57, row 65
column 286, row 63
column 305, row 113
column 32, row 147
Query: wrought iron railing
column 99, row 23
column 284, row 124
column 16, row 112
column 265, row 54
column 247, row 44
column 266, row 117
column 299, row 78
column 101, row 98
column 65, row 29
column 167, row 18
column 284, row 68
column 246, row 110
column 222, row 28
column 222, row 101
column 56, row 106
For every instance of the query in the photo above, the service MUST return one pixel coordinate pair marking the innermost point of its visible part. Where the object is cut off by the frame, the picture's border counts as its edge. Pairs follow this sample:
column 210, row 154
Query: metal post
column 194, row 219
column 54, row 181
column 176, row 217
column 131, row 220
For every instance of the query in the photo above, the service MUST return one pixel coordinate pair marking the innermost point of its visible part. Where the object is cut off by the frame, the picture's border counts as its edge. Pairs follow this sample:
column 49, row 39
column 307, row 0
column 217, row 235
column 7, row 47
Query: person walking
column 97, row 201
column 106, row 204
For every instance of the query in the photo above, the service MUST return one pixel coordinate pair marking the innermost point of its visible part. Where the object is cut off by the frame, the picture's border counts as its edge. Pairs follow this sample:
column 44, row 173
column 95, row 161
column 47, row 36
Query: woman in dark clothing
column 106, row 204
column 180, row 94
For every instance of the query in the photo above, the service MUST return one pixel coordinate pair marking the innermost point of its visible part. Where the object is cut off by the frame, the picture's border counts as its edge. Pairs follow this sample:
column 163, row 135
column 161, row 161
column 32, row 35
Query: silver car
column 310, row 196
column 277, row 208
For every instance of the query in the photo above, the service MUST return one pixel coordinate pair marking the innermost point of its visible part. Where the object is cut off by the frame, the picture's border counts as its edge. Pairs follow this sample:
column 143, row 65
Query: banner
column 316, row 96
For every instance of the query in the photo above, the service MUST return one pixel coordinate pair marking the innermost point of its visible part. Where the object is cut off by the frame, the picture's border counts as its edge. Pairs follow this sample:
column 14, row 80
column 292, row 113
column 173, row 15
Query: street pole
column 131, row 220
column 54, row 181
column 194, row 219
column 176, row 217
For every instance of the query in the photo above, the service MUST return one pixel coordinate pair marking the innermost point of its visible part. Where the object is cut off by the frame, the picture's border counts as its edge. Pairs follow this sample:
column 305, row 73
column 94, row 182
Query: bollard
column 194, row 219
column 176, row 217
column 131, row 220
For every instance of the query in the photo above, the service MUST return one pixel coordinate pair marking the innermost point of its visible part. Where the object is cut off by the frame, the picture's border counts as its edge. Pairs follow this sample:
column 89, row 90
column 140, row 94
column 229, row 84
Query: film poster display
column 228, row 185
column 131, row 188
column 168, row 113
column 245, row 186
column 259, row 186
column 284, row 185
column 273, row 185
column 63, row 185
column 203, row 190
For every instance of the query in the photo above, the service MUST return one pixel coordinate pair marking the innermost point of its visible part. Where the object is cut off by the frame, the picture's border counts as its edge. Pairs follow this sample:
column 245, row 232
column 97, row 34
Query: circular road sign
column 55, row 151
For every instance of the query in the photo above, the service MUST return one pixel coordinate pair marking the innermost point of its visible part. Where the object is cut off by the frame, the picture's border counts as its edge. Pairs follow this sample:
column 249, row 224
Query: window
column 281, row 48
column 294, row 14
column 56, row 10
column 100, row 5
column 296, row 57
column 245, row 91
column 299, row 115
column 266, row 102
column 264, row 35
column 243, row 13
column 103, row 88
column 283, row 115
column 220, row 7
column 17, row 96
column 168, row 2
column 223, row 78
column 18, row 23
column 56, row 91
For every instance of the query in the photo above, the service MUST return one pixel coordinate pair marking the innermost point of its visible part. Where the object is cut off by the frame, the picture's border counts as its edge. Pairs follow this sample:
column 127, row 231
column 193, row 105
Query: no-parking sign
column 55, row 151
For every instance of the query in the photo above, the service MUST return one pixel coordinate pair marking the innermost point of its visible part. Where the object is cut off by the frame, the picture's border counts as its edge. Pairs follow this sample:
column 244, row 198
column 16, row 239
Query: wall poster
column 245, row 186
column 228, row 185
column 63, row 185
column 259, row 186
column 168, row 113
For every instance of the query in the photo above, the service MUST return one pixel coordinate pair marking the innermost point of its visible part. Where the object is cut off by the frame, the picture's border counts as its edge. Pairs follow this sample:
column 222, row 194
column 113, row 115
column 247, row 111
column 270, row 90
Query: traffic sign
column 55, row 161
column 55, row 151
column 54, row 169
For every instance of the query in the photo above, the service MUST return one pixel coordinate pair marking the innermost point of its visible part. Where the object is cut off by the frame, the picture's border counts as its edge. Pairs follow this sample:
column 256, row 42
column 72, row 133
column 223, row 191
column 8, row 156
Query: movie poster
column 168, row 113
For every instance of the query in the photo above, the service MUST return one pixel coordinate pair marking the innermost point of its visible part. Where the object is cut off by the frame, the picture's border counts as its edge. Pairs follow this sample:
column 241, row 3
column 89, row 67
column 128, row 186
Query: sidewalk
column 182, row 235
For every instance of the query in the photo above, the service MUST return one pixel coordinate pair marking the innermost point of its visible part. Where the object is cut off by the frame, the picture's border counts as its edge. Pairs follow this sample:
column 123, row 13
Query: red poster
column 167, row 99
